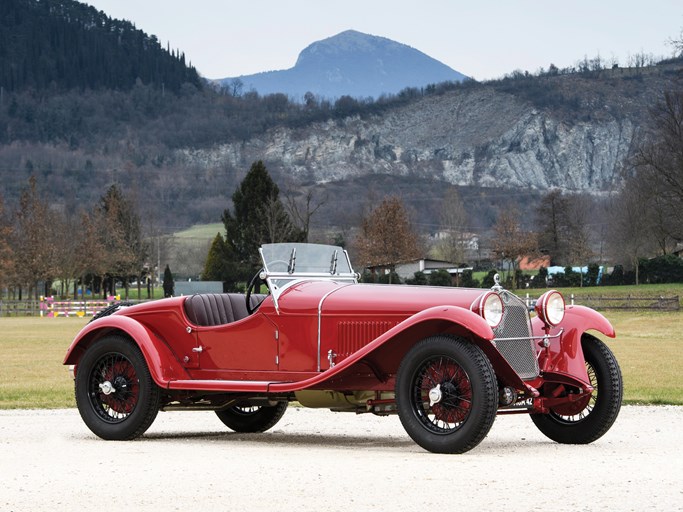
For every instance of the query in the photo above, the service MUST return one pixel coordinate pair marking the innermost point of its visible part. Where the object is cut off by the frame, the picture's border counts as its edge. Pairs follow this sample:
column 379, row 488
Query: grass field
column 648, row 347
column 204, row 231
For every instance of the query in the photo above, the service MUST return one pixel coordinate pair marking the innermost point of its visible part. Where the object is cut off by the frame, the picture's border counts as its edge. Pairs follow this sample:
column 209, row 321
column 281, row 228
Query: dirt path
column 318, row 460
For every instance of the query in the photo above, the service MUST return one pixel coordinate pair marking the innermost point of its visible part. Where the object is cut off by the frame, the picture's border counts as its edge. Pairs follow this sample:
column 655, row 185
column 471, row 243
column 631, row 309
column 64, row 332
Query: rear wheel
column 446, row 393
column 252, row 418
column 115, row 393
column 590, row 419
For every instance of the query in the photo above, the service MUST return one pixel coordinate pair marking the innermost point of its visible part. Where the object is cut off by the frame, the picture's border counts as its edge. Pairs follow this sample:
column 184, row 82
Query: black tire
column 249, row 419
column 468, row 394
column 601, row 410
column 126, row 411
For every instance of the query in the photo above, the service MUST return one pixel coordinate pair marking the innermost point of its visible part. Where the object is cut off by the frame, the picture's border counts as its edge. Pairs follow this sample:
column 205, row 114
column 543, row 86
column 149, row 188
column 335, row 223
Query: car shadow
column 342, row 441
column 286, row 439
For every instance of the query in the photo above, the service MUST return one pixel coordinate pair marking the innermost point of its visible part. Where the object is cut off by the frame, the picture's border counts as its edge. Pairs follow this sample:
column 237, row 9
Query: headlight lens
column 550, row 307
column 492, row 309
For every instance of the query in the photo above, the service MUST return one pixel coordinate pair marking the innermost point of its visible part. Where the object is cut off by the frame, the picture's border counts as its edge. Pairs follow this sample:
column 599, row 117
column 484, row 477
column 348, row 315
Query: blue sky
column 481, row 38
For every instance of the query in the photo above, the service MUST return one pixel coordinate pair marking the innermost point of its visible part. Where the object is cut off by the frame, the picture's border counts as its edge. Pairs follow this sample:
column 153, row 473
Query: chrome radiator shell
column 513, row 337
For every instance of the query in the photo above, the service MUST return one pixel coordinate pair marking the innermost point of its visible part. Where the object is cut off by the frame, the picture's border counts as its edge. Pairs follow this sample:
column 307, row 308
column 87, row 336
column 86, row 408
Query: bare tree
column 454, row 220
column 630, row 227
column 92, row 250
column 66, row 265
column 301, row 210
column 125, row 248
column 579, row 231
column 387, row 236
column 7, row 257
column 677, row 44
column 658, row 169
column 551, row 221
column 511, row 243
column 33, row 238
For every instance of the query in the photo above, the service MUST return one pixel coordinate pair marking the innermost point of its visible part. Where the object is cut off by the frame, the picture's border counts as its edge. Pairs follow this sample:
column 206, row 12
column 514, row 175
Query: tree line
column 92, row 249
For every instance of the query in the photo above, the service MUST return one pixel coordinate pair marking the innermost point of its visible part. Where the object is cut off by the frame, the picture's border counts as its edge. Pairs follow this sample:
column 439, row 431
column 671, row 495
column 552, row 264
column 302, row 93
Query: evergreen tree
column 221, row 265
column 258, row 218
column 168, row 284
column 67, row 44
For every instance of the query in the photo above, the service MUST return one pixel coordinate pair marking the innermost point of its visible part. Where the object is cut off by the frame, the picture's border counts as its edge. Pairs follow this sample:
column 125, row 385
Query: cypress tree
column 169, row 284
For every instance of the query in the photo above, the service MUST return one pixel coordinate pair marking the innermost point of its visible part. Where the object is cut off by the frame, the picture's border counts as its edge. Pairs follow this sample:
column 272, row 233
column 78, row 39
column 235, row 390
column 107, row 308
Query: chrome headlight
column 550, row 308
column 490, row 307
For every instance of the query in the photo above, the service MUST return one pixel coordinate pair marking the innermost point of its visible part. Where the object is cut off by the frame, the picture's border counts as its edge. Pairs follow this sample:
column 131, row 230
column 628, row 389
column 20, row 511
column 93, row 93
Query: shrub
column 440, row 277
column 419, row 278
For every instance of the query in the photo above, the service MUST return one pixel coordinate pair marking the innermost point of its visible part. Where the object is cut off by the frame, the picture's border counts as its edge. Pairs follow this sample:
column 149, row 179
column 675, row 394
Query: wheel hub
column 107, row 388
column 435, row 395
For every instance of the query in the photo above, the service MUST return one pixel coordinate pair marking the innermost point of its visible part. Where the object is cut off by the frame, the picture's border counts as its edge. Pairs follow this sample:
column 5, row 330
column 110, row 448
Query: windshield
column 305, row 259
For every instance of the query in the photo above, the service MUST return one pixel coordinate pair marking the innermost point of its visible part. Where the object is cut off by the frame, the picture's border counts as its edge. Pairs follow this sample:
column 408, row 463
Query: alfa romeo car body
column 446, row 360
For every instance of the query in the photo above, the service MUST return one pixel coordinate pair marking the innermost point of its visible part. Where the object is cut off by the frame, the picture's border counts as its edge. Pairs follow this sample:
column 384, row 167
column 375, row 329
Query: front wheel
column 249, row 419
column 115, row 393
column 597, row 413
column 446, row 393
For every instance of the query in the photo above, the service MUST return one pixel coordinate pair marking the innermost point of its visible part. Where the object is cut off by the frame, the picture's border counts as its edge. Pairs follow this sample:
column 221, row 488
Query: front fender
column 586, row 319
column 565, row 354
column 162, row 363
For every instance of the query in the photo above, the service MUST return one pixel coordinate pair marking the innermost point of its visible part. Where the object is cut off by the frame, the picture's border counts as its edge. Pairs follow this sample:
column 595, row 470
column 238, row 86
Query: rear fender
column 162, row 362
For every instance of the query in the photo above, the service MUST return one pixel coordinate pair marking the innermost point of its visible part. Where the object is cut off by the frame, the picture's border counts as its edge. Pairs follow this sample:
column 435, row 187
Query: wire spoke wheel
column 115, row 393
column 114, row 388
column 446, row 376
column 586, row 420
column 252, row 418
column 575, row 413
column 446, row 393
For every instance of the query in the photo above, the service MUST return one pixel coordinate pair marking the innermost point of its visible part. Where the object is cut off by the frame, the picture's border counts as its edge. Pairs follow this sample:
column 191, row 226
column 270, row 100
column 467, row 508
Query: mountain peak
column 347, row 41
column 355, row 64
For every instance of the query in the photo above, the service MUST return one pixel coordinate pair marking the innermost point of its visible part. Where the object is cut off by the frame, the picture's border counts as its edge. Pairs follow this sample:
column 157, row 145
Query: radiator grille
column 354, row 335
column 521, row 353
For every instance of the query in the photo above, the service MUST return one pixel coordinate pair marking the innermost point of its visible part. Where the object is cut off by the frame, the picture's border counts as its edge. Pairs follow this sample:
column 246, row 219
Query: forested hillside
column 64, row 44
column 87, row 101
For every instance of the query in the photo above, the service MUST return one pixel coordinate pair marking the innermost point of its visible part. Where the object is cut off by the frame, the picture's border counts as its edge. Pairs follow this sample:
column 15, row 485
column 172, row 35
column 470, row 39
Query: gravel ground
column 318, row 460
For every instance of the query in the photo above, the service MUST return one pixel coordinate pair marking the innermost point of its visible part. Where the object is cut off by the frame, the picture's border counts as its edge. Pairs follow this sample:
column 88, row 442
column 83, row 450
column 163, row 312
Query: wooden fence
column 51, row 308
column 628, row 302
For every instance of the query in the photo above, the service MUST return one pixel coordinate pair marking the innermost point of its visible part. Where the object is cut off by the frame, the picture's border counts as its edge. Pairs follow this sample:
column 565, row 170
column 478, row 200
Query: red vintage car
column 446, row 360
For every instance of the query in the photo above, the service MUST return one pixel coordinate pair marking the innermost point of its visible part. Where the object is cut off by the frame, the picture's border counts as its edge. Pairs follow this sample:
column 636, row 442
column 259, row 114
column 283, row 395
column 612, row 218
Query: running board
column 221, row 385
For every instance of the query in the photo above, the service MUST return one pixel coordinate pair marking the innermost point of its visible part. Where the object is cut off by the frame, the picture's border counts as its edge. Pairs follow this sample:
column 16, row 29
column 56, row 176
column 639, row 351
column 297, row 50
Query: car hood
column 371, row 299
column 393, row 299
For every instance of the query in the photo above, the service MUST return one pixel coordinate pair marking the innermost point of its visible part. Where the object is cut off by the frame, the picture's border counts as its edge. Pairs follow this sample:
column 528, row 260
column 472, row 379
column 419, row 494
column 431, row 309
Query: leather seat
column 208, row 309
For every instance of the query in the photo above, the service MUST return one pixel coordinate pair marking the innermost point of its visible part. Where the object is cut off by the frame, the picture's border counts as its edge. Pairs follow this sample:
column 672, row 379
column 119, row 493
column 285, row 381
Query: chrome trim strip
column 320, row 314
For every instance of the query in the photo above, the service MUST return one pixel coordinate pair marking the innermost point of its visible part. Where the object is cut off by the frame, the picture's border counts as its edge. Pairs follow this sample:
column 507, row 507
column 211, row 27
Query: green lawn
column 33, row 349
column 204, row 231
column 648, row 347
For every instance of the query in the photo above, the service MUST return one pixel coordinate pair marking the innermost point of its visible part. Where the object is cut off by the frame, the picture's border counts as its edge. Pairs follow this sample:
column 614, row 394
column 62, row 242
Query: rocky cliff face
column 483, row 135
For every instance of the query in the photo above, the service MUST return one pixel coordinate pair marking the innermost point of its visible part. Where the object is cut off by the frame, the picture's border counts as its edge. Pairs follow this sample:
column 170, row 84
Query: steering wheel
column 257, row 278
column 250, row 290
